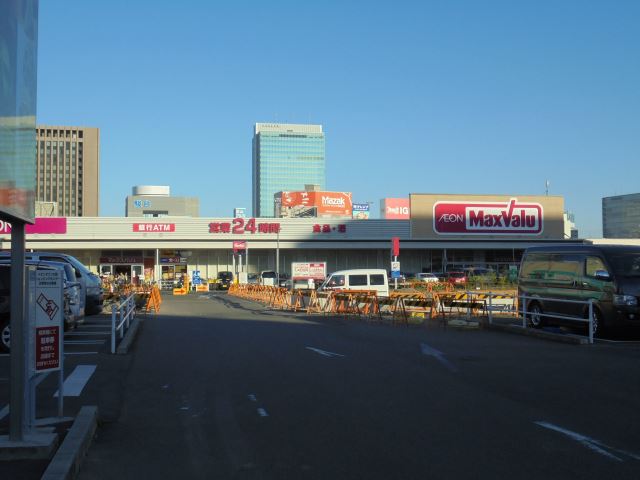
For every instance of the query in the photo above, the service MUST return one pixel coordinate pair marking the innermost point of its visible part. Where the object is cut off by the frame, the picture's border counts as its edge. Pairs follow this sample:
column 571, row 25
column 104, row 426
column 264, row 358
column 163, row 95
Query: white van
column 360, row 279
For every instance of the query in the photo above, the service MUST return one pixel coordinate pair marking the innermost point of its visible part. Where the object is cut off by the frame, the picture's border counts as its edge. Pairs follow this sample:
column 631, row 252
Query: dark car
column 71, row 298
column 225, row 279
column 606, row 275
column 92, row 285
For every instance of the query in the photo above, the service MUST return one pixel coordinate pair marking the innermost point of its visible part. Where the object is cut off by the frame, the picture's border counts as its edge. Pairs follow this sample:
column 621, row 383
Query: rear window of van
column 376, row 279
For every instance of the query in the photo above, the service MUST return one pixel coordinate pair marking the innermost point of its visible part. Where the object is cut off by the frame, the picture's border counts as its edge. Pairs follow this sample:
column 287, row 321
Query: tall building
column 286, row 157
column 621, row 216
column 156, row 201
column 68, row 169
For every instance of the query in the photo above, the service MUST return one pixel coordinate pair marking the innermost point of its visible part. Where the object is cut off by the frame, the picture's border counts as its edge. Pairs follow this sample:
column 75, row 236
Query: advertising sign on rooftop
column 361, row 211
column 395, row 208
column 313, row 204
column 488, row 216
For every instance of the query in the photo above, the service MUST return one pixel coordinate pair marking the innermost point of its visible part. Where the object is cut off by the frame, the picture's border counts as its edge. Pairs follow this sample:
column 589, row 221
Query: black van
column 607, row 274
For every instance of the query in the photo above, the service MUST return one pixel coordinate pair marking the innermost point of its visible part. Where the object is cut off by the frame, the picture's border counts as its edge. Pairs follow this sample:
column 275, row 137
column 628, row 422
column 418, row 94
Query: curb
column 530, row 332
column 129, row 337
column 66, row 462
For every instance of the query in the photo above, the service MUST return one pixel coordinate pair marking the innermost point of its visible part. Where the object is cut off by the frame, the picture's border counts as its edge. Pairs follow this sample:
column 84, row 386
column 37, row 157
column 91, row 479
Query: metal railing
column 589, row 303
column 121, row 316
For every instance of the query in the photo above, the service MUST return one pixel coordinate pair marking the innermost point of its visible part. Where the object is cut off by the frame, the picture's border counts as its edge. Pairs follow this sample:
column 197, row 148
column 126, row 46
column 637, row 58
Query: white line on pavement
column 252, row 397
column 4, row 412
column 438, row 355
column 324, row 352
column 590, row 443
column 84, row 342
column 74, row 383
column 262, row 412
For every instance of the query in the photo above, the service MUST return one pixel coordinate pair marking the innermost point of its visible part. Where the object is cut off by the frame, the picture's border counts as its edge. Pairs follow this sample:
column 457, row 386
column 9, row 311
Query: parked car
column 609, row 275
column 268, row 277
column 284, row 280
column 359, row 279
column 427, row 277
column 457, row 278
column 92, row 285
column 225, row 279
column 71, row 298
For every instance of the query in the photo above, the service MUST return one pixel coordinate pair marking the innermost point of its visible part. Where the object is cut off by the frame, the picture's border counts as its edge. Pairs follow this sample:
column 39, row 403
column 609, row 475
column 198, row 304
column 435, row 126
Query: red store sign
column 240, row 226
column 326, row 228
column 472, row 218
column 154, row 227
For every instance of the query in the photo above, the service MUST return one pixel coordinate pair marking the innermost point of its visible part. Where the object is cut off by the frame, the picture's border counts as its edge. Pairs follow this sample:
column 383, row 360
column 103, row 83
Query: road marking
column 74, row 383
column 262, row 412
column 590, row 443
column 4, row 412
column 84, row 342
column 324, row 352
column 86, row 334
column 438, row 355
column 252, row 397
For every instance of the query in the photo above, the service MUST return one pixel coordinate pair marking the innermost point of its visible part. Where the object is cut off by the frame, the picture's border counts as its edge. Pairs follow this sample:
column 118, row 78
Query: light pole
column 278, row 259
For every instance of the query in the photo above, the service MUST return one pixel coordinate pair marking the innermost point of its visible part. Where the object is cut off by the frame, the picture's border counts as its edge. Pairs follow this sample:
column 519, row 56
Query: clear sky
column 445, row 96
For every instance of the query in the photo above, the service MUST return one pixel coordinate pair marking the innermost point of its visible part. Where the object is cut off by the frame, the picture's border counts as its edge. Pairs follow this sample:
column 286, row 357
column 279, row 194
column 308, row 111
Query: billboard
column 360, row 211
column 313, row 204
column 487, row 216
column 18, row 44
column 395, row 209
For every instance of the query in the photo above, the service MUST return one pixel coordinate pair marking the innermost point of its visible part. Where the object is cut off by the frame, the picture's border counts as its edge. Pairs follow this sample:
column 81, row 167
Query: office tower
column 68, row 169
column 621, row 216
column 286, row 157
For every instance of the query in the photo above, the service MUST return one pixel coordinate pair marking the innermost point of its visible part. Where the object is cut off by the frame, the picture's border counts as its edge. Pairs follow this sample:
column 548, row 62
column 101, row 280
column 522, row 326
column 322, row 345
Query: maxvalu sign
column 486, row 216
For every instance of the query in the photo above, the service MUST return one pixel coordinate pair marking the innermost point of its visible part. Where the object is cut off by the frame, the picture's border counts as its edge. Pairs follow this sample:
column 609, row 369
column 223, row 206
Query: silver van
column 359, row 279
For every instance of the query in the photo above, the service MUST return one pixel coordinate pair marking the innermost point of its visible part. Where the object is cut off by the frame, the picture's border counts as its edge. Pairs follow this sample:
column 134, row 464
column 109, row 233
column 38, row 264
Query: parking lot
column 221, row 387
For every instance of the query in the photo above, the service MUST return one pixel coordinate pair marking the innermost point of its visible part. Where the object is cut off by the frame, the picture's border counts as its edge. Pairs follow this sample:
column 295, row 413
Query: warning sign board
column 49, row 318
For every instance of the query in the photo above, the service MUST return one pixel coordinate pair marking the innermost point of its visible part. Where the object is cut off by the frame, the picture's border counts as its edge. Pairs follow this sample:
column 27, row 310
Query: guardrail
column 121, row 316
column 588, row 303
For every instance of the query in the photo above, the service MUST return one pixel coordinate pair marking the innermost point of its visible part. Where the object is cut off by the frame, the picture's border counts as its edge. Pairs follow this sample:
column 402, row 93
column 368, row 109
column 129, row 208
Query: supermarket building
column 445, row 232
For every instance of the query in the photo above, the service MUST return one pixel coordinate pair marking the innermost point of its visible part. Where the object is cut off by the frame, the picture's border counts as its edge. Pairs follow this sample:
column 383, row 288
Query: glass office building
column 286, row 157
column 621, row 216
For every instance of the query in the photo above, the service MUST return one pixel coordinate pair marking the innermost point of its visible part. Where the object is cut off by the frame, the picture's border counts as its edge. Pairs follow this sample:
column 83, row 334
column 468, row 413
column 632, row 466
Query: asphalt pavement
column 222, row 388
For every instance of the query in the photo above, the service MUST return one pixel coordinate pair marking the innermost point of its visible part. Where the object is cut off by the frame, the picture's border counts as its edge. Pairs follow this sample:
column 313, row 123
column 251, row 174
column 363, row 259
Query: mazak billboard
column 313, row 204
column 490, row 216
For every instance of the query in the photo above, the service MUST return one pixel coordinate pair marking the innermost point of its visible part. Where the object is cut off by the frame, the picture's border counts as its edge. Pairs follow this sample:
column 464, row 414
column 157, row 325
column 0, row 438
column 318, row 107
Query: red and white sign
column 44, row 225
column 239, row 246
column 154, row 227
column 473, row 218
column 327, row 204
column 396, row 208
column 49, row 311
column 306, row 271
column 241, row 226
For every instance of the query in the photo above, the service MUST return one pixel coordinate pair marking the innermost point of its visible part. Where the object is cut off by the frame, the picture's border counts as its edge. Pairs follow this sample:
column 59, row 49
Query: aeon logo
column 487, row 217
column 332, row 201
column 451, row 218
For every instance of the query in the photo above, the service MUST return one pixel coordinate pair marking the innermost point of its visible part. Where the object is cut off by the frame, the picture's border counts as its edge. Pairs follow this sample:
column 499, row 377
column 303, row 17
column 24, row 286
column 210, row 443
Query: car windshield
column 456, row 274
column 626, row 265
column 225, row 275
column 268, row 274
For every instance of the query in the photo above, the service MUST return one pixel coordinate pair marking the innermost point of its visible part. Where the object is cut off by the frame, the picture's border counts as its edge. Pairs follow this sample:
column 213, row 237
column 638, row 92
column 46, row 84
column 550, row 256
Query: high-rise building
column 68, row 169
column 621, row 216
column 286, row 157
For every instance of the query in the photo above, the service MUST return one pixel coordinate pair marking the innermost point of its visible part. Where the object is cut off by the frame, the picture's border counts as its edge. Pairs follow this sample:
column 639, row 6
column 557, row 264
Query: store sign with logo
column 43, row 225
column 472, row 218
column 154, row 227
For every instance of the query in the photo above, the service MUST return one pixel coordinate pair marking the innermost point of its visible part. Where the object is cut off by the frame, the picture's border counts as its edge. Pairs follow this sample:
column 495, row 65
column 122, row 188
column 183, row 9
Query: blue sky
column 443, row 96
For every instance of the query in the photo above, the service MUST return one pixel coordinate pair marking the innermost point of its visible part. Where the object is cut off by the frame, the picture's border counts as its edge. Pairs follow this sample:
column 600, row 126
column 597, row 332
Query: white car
column 427, row 277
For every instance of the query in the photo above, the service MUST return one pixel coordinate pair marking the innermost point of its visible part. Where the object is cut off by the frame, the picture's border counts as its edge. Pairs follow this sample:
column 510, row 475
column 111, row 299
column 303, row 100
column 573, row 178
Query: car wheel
column 5, row 336
column 535, row 315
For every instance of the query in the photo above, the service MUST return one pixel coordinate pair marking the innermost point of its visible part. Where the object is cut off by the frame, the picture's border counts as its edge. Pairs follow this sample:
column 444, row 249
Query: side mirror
column 602, row 275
